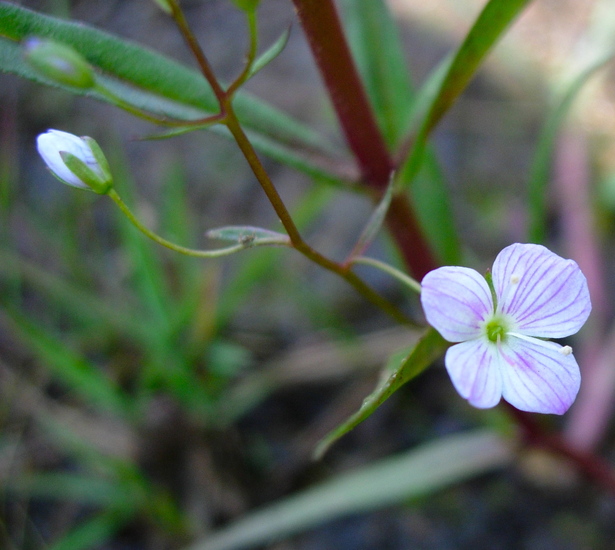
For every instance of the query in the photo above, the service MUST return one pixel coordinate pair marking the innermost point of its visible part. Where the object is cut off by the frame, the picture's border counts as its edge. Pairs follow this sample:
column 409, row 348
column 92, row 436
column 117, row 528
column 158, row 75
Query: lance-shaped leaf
column 270, row 53
column 427, row 349
column 375, row 221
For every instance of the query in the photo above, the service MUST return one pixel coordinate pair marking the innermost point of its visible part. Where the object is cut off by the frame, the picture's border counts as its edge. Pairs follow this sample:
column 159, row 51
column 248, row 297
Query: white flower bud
column 76, row 161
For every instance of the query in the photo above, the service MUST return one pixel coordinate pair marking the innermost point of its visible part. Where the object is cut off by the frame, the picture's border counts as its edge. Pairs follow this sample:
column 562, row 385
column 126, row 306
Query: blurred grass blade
column 427, row 349
column 429, row 191
column 265, row 265
column 89, row 382
column 378, row 52
column 541, row 164
column 94, row 532
column 146, row 263
column 425, row 96
column 421, row 471
column 491, row 24
column 81, row 488
column 433, row 207
column 397, row 107
column 88, row 309
column 270, row 53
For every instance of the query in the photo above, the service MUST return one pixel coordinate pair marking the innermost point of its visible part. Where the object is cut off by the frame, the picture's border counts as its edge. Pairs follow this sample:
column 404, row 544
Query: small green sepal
column 100, row 184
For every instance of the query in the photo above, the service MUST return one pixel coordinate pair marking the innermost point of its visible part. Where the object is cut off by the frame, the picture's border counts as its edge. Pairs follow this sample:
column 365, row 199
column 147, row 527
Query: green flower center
column 496, row 329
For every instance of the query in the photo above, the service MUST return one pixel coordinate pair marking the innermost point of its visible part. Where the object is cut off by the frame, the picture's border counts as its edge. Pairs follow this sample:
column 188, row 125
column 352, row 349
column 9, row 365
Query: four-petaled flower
column 499, row 328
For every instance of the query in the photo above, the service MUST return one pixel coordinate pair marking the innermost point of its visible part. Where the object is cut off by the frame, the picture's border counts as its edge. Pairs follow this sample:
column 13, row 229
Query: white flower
column 76, row 161
column 535, row 294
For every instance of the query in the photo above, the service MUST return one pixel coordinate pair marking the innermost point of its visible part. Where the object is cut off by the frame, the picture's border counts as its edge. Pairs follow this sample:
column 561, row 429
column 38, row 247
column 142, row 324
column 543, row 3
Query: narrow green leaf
column 88, row 381
column 398, row 108
column 434, row 210
column 375, row 221
column 270, row 53
column 541, row 164
column 418, row 472
column 491, row 24
column 87, row 308
column 378, row 51
column 427, row 349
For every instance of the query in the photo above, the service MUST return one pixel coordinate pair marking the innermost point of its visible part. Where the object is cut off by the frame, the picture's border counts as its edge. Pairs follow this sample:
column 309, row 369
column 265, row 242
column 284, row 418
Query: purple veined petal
column 545, row 294
column 539, row 376
column 456, row 300
column 475, row 372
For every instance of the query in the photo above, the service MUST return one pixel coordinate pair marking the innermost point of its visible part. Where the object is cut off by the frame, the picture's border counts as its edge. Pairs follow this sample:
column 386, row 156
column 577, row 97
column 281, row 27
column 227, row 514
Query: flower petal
column 456, row 300
column 475, row 372
column 545, row 294
column 539, row 376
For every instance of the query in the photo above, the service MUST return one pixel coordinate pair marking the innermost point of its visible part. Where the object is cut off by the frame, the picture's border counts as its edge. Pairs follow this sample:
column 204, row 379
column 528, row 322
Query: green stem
column 195, row 48
column 168, row 244
column 120, row 103
column 253, row 30
column 394, row 272
column 234, row 126
column 295, row 237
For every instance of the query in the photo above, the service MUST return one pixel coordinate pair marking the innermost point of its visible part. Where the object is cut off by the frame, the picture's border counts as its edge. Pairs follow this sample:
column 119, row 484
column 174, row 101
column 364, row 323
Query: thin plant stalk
column 297, row 241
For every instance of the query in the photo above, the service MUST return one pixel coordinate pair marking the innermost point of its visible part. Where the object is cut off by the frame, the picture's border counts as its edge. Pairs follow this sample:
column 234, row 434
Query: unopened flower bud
column 59, row 62
column 76, row 161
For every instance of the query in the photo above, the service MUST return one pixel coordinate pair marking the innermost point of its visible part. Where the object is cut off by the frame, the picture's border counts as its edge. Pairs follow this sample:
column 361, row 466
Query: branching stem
column 234, row 126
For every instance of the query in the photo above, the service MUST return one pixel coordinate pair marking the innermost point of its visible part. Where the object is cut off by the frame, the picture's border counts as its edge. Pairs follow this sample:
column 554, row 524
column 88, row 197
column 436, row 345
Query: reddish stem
column 323, row 29
column 324, row 32
column 591, row 465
